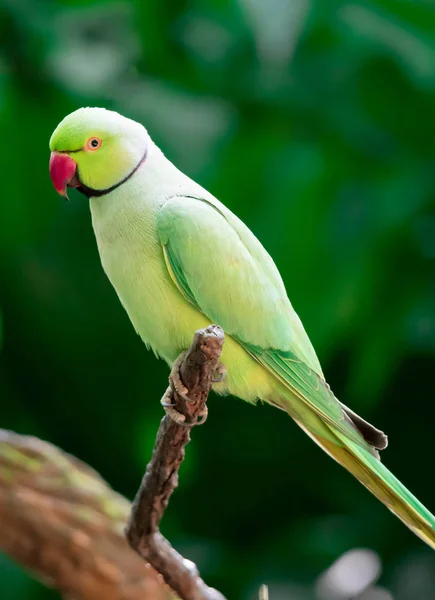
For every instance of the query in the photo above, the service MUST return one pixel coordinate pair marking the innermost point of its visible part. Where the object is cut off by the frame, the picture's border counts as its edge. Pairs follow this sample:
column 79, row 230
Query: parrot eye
column 93, row 144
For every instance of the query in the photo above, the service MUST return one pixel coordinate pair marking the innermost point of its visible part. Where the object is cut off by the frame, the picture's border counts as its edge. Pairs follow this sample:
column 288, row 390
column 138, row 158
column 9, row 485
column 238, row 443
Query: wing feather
column 222, row 269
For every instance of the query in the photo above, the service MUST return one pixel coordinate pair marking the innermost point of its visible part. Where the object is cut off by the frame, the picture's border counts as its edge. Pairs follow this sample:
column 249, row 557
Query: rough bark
column 60, row 520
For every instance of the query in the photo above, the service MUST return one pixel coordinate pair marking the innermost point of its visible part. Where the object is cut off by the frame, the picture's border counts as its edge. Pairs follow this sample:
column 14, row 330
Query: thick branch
column 197, row 369
column 63, row 522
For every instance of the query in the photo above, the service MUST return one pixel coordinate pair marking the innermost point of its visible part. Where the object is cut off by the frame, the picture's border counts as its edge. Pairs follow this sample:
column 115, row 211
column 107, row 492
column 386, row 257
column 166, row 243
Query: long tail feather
column 381, row 482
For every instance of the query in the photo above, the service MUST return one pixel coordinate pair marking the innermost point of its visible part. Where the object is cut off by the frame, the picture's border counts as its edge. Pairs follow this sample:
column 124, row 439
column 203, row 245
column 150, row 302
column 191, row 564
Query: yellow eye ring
column 93, row 144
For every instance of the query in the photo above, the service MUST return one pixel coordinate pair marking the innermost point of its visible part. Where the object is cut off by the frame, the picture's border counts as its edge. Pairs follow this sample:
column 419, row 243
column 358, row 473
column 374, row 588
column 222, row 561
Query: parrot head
column 95, row 150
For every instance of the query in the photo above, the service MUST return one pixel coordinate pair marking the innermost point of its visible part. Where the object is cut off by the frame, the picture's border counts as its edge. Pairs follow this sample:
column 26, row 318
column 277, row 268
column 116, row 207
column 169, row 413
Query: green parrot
column 179, row 260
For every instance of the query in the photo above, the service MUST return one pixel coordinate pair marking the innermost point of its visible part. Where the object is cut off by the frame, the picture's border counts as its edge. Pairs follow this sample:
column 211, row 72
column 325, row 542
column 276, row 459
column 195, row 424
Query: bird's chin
column 78, row 185
column 84, row 190
column 74, row 182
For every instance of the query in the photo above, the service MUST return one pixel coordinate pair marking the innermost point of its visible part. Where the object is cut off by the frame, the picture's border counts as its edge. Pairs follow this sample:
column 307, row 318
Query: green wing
column 222, row 269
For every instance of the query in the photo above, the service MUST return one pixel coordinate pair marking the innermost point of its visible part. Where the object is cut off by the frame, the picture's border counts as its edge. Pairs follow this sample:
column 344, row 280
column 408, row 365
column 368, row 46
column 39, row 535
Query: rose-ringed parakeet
column 179, row 260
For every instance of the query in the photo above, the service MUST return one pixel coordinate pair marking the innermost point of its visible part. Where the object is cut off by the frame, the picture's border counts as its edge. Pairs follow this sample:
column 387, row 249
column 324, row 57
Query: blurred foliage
column 314, row 122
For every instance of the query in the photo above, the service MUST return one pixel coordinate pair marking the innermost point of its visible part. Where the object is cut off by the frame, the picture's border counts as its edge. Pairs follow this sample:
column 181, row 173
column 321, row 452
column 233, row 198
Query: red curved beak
column 62, row 172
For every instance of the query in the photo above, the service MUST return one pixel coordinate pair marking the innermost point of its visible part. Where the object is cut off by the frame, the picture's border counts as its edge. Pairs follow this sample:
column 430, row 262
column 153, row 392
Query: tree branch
column 196, row 368
column 63, row 522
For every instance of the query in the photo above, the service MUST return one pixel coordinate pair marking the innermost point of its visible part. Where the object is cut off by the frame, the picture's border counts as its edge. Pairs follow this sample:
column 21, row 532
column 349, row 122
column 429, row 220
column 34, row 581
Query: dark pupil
column 94, row 143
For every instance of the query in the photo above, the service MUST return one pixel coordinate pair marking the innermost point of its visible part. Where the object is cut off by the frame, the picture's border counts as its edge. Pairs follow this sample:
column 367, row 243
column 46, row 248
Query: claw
column 166, row 404
column 179, row 388
column 175, row 381
column 176, row 386
column 178, row 417
column 220, row 373
column 202, row 417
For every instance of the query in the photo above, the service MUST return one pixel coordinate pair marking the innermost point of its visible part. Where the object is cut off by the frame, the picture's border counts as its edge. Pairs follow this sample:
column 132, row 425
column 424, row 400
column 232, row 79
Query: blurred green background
column 313, row 121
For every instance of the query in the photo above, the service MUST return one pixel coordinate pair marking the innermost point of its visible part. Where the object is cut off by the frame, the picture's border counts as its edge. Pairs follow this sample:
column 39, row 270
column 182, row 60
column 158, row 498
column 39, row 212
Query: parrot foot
column 175, row 381
column 176, row 386
column 178, row 417
column 220, row 373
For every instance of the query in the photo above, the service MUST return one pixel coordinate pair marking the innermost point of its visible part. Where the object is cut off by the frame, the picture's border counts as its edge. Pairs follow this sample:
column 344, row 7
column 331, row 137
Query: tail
column 381, row 482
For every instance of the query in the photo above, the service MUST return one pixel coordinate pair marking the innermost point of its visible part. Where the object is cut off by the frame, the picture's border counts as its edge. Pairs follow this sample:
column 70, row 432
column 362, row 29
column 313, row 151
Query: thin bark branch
column 60, row 520
column 197, row 368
